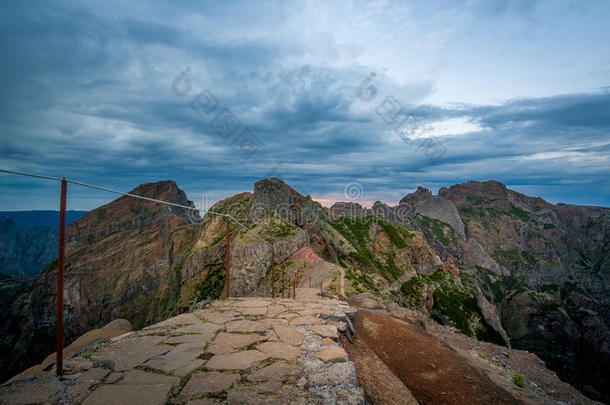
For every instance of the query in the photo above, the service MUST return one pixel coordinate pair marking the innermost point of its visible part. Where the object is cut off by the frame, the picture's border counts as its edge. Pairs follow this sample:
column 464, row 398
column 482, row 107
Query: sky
column 344, row 100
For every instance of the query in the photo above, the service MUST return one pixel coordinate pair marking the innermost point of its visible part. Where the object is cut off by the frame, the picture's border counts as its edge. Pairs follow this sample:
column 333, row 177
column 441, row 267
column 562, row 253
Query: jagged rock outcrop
column 275, row 195
column 475, row 254
column 443, row 210
column 415, row 197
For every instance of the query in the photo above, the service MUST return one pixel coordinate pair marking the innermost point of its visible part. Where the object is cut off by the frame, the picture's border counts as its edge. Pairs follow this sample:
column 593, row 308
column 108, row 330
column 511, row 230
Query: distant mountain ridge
column 28, row 240
column 41, row 218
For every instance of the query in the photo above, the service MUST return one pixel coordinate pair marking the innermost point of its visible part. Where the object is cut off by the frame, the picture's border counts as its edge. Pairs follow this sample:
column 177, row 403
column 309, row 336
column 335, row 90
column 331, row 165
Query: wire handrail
column 109, row 190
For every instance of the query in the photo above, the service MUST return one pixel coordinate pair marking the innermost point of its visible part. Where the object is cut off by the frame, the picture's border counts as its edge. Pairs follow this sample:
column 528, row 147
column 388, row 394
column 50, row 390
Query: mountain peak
column 127, row 208
column 275, row 195
column 420, row 194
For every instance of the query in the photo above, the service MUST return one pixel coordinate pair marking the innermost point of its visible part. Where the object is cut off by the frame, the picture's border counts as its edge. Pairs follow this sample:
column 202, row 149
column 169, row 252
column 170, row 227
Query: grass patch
column 519, row 380
column 519, row 213
column 212, row 286
column 356, row 231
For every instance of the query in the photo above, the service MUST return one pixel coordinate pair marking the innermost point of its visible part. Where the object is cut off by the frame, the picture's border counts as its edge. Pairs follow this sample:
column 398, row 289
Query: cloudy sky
column 369, row 99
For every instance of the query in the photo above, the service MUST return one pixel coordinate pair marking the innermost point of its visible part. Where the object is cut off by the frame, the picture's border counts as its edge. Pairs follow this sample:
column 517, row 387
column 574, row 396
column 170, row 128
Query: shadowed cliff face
column 25, row 250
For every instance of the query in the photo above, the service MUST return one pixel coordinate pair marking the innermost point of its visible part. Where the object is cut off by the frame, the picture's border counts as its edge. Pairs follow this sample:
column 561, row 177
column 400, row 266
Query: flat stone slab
column 231, row 342
column 218, row 317
column 307, row 320
column 274, row 310
column 208, row 330
column 93, row 375
column 332, row 354
column 280, row 350
column 138, row 387
column 278, row 370
column 237, row 361
column 43, row 388
column 246, row 326
column 253, row 310
column 274, row 321
column 191, row 338
column 177, row 361
column 139, row 377
column 129, row 395
column 182, row 319
column 271, row 392
column 289, row 315
column 132, row 352
column 325, row 330
column 113, row 377
column 289, row 335
column 207, row 383
column 251, row 303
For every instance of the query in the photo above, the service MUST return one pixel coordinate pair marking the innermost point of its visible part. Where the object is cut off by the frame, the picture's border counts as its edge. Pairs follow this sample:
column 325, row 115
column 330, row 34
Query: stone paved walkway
column 236, row 351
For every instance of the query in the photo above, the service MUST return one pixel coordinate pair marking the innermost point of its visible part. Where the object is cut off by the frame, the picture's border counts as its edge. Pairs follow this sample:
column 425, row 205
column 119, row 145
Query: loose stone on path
column 333, row 354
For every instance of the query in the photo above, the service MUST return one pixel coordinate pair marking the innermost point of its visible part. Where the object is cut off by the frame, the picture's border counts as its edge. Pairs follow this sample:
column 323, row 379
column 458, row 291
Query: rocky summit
column 475, row 295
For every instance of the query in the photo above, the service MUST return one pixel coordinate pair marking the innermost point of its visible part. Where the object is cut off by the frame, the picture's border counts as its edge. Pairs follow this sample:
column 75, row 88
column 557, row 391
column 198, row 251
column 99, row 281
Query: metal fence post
column 227, row 259
column 283, row 280
column 60, row 280
column 272, row 274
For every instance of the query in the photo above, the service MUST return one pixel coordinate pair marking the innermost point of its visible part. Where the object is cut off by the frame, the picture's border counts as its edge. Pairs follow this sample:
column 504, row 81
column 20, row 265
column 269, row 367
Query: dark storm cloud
column 88, row 94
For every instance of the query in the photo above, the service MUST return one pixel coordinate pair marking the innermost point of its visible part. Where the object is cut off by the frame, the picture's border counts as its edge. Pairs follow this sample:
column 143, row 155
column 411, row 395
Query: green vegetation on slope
column 357, row 232
column 212, row 286
column 443, row 232
column 272, row 226
column 452, row 301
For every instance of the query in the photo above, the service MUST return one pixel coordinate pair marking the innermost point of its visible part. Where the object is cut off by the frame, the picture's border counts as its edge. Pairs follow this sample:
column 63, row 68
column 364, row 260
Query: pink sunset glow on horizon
column 328, row 202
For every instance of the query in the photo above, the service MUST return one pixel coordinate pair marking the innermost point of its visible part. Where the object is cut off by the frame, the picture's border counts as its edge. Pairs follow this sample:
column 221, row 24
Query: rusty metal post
column 272, row 274
column 60, row 279
column 282, row 279
column 227, row 259
column 289, row 284
column 294, row 287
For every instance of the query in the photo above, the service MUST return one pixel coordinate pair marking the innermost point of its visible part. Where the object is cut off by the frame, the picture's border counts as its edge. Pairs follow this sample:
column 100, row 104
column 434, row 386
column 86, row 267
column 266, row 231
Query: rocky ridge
column 479, row 257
